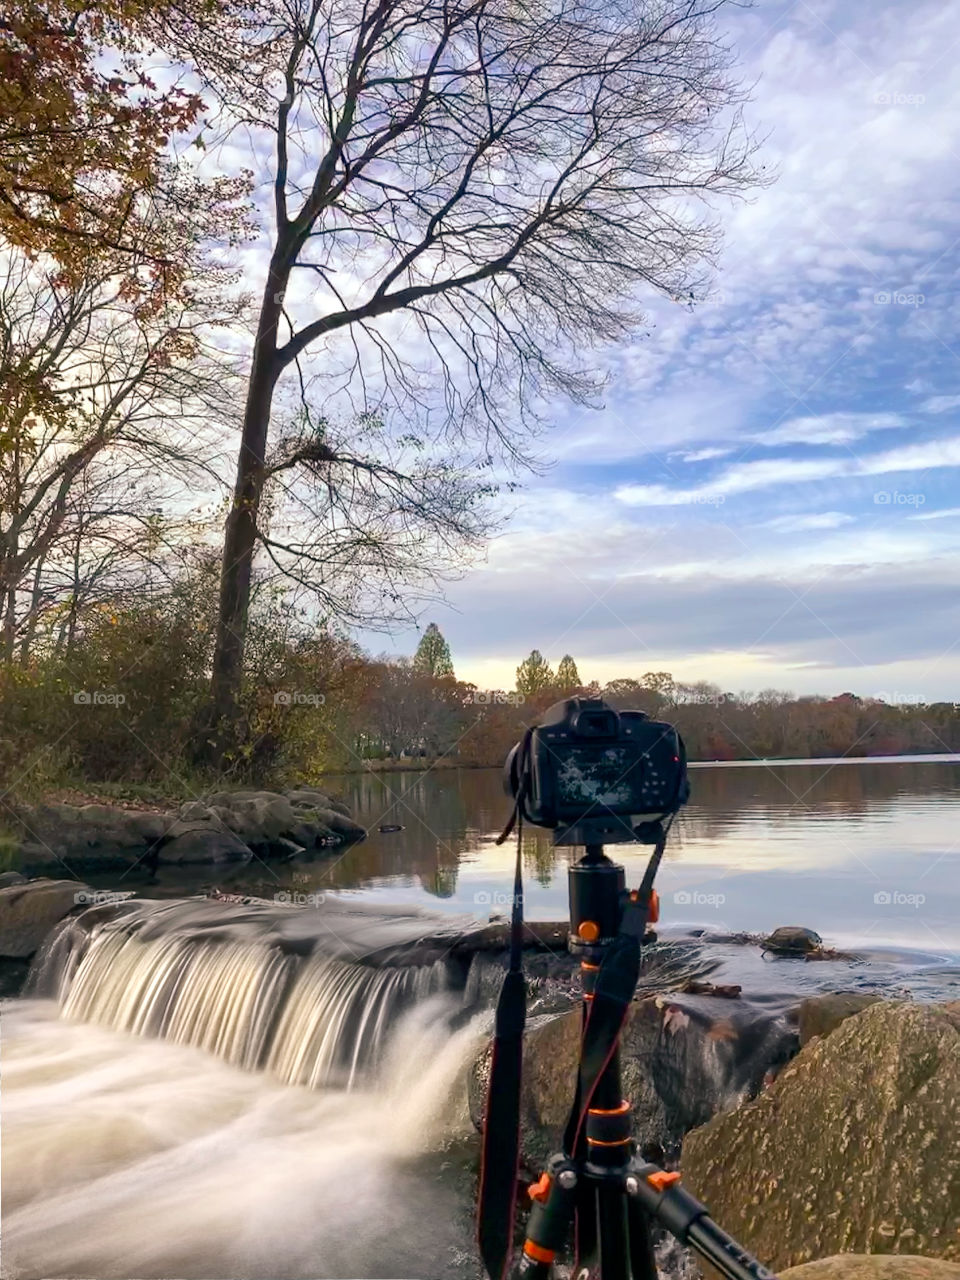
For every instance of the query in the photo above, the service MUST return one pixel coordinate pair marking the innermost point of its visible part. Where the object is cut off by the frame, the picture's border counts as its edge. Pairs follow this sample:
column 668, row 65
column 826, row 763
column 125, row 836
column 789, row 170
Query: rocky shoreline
column 225, row 826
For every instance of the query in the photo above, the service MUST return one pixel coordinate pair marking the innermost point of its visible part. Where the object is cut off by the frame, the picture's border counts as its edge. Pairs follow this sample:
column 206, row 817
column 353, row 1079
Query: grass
column 9, row 851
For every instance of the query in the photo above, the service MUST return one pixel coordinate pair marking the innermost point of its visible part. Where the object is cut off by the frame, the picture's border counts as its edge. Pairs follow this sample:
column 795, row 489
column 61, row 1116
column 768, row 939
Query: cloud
column 799, row 523
column 829, row 428
column 940, row 404
column 750, row 476
column 944, row 514
column 704, row 455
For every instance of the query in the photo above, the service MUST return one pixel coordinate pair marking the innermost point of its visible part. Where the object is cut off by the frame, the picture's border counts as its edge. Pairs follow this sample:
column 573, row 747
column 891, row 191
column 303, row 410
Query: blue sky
column 769, row 496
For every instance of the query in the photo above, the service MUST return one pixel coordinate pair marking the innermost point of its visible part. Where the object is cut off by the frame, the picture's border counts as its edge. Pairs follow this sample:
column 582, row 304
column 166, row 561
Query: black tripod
column 597, row 1179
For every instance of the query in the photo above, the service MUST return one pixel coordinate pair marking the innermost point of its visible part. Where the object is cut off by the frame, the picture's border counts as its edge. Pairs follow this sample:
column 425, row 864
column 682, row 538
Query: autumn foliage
column 89, row 105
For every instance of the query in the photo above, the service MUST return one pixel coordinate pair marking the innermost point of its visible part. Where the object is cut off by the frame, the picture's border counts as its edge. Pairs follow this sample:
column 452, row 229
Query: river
column 130, row 1155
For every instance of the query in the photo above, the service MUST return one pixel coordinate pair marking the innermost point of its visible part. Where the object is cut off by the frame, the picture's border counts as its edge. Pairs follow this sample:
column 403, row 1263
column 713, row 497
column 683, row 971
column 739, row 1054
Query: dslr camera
column 598, row 776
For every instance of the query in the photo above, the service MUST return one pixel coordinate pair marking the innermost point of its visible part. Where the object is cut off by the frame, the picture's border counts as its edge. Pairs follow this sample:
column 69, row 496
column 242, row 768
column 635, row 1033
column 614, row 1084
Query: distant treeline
column 436, row 716
column 119, row 701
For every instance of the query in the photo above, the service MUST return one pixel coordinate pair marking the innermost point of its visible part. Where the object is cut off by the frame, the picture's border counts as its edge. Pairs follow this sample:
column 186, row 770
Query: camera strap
column 500, row 1149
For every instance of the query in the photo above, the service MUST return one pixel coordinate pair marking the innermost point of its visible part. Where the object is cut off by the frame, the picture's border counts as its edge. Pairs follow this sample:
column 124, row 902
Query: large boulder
column 315, row 799
column 29, row 911
column 683, row 1058
column 855, row 1148
column 89, row 837
column 874, row 1266
column 198, row 843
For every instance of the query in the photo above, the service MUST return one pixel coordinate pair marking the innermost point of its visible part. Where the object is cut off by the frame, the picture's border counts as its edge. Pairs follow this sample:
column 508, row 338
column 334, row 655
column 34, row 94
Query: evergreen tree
column 433, row 653
column 568, row 677
column 534, row 675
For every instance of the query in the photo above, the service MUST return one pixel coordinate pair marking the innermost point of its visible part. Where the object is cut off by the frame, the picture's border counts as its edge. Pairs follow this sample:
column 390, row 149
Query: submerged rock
column 855, row 1148
column 792, row 939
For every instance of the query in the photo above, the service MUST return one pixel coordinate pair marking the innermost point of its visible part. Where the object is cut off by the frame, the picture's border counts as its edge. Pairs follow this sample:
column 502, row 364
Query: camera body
column 598, row 776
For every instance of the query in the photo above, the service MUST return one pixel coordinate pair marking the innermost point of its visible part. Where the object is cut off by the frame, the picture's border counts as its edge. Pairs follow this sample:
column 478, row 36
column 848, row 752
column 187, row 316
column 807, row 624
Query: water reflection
column 865, row 852
column 758, row 846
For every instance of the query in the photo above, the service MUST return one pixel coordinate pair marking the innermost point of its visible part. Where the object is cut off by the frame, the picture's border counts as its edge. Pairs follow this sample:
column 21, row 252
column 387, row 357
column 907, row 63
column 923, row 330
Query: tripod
column 597, row 1179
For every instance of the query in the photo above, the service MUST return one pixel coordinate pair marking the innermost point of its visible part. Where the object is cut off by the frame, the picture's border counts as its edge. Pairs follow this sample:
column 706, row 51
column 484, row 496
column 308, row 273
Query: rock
column 308, row 797
column 262, row 816
column 227, row 818
column 40, row 860
column 29, row 911
column 283, row 848
column 150, row 827
column 196, row 811
column 683, row 1058
column 13, row 975
column 8, row 878
column 86, row 837
column 792, row 939
column 874, row 1266
column 819, row 1015
column 855, row 1148
column 341, row 824
column 201, row 844
column 226, row 827
column 317, row 799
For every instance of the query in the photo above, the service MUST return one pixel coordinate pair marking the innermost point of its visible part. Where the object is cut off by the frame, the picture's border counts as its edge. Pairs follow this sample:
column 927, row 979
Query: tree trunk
column 10, row 625
column 240, row 534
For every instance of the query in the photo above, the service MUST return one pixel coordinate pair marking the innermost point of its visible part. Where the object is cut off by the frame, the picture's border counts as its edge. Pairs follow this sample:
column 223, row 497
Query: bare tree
column 467, row 196
column 109, row 408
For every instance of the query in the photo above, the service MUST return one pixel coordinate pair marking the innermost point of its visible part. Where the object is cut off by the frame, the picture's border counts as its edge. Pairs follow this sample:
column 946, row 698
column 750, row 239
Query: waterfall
column 233, row 984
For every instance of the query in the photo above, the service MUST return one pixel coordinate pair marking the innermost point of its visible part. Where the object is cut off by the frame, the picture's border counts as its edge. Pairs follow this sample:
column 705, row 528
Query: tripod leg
column 643, row 1264
column 585, row 1236
column 612, row 1219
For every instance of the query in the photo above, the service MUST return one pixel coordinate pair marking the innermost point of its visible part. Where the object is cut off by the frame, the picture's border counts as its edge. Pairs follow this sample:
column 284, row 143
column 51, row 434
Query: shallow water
column 127, row 1157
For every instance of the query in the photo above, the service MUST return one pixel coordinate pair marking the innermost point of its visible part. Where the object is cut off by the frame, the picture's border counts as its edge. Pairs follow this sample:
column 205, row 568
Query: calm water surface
column 865, row 852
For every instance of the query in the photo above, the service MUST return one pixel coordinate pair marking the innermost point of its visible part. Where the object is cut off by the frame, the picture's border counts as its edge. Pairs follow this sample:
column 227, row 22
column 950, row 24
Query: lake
column 864, row 851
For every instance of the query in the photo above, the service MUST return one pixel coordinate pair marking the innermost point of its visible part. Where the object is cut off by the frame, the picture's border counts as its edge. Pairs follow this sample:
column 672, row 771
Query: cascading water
column 159, row 970
column 191, row 1147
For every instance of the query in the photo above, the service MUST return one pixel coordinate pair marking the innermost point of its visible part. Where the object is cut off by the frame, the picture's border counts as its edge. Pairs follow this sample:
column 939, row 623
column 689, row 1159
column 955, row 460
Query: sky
column 769, row 495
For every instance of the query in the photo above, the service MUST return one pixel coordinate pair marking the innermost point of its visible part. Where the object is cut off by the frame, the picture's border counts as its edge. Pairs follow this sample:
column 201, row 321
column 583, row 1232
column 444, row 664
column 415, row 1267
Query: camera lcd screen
column 597, row 775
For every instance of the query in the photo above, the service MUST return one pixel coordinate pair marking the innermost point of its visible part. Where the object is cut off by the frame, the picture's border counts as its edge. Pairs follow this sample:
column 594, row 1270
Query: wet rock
column 202, row 844
column 792, row 939
column 874, row 1266
column 341, row 824
column 819, row 1015
column 683, row 1058
column 8, row 878
column 284, row 848
column 13, row 975
column 855, row 1148
column 29, row 911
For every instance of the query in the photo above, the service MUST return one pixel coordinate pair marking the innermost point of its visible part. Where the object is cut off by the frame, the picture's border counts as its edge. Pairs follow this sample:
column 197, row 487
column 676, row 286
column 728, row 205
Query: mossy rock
column 855, row 1148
